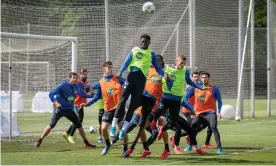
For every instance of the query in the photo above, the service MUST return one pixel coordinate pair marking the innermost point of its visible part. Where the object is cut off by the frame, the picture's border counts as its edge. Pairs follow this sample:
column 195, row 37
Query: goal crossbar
column 42, row 37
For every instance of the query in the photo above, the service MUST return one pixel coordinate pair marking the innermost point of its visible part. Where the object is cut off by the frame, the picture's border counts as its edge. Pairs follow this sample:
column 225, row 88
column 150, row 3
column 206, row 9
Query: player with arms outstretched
column 110, row 89
column 138, row 61
column 63, row 97
column 81, row 96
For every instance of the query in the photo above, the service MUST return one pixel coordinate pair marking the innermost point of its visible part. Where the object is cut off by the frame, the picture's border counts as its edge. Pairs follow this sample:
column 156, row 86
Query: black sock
column 85, row 141
column 133, row 144
column 125, row 147
column 40, row 139
column 145, row 145
column 107, row 142
column 167, row 147
column 115, row 139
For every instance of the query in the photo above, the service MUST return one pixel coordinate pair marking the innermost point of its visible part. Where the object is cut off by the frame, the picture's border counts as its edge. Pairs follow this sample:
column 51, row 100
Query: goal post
column 36, row 53
column 42, row 37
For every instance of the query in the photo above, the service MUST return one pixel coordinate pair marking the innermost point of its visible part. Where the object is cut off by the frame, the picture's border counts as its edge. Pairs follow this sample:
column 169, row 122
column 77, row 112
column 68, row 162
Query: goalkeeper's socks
column 40, row 140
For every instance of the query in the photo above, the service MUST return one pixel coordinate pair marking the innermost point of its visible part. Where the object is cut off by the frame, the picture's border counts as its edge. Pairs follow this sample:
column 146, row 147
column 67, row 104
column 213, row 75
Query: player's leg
column 154, row 131
column 162, row 106
column 106, row 120
column 56, row 115
column 188, row 118
column 166, row 152
column 211, row 118
column 100, row 116
column 135, row 102
column 126, row 93
column 192, row 135
column 73, row 117
column 208, row 138
column 67, row 135
column 174, row 108
column 73, row 129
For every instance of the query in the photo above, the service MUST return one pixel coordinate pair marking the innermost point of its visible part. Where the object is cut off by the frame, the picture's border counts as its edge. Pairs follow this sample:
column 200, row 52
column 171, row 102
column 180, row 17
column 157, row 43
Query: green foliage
column 260, row 12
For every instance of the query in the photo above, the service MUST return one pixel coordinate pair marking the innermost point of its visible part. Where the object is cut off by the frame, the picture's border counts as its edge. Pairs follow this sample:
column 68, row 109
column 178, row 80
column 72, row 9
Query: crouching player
column 63, row 97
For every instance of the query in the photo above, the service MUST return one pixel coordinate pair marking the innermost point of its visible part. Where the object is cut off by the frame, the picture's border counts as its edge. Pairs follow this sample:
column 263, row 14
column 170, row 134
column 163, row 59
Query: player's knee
column 213, row 127
column 52, row 124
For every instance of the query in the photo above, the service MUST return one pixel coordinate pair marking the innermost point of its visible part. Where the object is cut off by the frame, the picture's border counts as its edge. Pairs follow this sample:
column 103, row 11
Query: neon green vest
column 177, row 76
column 141, row 59
column 100, row 104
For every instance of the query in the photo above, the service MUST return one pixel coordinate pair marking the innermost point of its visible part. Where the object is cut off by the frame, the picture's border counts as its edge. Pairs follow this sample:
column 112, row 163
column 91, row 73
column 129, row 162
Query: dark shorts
column 109, row 115
column 150, row 117
column 100, row 116
column 69, row 114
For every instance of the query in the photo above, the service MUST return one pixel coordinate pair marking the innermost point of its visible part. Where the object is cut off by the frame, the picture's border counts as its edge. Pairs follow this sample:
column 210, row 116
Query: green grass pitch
column 246, row 142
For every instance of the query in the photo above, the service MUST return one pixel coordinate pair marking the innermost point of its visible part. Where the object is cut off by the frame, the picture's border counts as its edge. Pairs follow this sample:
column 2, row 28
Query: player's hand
column 82, row 105
column 56, row 104
column 119, row 75
column 219, row 116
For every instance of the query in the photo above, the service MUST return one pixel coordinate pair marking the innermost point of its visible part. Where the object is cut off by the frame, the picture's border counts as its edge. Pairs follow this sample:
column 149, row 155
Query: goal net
column 38, row 64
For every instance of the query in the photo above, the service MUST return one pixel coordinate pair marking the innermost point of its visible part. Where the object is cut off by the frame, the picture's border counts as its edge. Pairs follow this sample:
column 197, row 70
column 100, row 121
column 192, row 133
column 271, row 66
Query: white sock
column 126, row 123
column 195, row 146
column 114, row 122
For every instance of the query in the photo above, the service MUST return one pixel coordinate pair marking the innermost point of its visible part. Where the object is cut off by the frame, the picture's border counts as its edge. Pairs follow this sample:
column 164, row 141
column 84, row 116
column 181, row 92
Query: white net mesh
column 37, row 65
column 216, row 41
column 128, row 23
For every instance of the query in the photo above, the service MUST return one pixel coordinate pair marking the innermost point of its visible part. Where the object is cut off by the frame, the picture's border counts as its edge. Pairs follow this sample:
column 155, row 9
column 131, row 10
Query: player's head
column 72, row 76
column 107, row 67
column 180, row 61
column 205, row 78
column 145, row 41
column 83, row 74
column 161, row 61
column 195, row 76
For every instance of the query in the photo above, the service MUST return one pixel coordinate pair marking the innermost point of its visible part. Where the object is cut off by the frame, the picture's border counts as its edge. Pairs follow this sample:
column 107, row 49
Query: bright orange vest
column 154, row 85
column 79, row 100
column 204, row 101
column 111, row 93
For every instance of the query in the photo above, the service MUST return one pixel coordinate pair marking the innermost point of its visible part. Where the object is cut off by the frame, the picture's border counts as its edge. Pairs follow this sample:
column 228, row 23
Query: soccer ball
column 92, row 129
column 228, row 112
column 148, row 8
column 238, row 118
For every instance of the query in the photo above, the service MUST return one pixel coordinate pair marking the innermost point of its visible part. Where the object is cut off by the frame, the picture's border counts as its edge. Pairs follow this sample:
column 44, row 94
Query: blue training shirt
column 64, row 94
